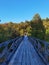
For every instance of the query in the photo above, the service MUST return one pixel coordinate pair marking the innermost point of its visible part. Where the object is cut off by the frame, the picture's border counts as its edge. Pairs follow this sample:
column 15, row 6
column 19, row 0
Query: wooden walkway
column 26, row 55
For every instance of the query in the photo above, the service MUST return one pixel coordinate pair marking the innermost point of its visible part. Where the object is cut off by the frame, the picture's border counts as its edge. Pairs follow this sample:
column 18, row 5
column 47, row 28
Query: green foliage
column 8, row 31
column 36, row 27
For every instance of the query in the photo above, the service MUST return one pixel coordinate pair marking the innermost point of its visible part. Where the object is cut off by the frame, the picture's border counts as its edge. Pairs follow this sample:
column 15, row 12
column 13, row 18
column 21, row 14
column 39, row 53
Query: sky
column 21, row 10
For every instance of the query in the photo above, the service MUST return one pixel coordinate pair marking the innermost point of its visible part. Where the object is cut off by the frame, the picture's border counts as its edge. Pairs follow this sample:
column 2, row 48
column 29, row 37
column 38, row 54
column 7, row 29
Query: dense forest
column 36, row 27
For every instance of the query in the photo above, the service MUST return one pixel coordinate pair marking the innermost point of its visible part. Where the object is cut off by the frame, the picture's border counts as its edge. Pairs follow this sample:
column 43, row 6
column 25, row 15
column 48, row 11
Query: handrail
column 8, row 52
column 7, row 42
column 42, row 47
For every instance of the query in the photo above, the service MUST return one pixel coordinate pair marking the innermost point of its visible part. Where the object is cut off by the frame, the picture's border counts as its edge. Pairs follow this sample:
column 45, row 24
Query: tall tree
column 37, row 27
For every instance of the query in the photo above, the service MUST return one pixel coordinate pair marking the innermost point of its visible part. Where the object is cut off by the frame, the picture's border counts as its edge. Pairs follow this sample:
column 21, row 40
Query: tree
column 47, row 19
column 37, row 27
column 15, row 34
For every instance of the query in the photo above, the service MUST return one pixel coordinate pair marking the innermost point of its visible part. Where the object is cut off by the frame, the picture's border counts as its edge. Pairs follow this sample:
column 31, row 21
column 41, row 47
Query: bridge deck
column 26, row 55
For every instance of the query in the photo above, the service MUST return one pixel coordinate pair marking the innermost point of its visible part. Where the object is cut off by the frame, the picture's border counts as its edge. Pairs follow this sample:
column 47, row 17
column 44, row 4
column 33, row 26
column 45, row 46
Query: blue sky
column 21, row 10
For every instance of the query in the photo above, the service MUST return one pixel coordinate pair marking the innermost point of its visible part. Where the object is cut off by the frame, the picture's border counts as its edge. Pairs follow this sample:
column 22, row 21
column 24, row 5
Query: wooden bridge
column 24, row 51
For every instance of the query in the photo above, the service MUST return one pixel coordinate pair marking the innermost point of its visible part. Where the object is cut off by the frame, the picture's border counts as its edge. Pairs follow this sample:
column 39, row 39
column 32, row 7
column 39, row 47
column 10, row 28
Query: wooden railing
column 7, row 49
column 42, row 48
